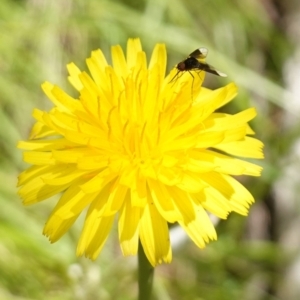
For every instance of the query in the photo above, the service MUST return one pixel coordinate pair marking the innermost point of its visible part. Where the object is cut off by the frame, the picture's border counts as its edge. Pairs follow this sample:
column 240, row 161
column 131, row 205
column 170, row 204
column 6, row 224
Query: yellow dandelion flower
column 136, row 146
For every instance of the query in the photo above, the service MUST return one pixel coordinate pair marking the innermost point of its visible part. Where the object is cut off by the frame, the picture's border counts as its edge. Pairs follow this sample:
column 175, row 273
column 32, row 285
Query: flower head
column 137, row 147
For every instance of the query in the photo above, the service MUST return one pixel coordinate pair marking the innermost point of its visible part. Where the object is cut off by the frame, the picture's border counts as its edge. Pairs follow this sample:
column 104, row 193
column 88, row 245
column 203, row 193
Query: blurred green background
column 257, row 43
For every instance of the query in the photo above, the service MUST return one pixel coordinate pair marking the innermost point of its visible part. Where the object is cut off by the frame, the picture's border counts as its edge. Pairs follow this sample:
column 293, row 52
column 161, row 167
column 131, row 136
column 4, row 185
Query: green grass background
column 257, row 44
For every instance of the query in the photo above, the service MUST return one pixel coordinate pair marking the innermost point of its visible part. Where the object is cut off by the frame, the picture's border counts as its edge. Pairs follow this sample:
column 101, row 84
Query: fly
column 196, row 62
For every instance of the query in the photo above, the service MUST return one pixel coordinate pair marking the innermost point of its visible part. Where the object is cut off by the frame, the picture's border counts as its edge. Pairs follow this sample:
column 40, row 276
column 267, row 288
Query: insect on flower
column 196, row 62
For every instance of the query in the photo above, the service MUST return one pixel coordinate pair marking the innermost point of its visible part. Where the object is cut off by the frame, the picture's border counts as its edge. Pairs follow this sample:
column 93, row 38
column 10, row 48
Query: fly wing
column 200, row 54
column 210, row 69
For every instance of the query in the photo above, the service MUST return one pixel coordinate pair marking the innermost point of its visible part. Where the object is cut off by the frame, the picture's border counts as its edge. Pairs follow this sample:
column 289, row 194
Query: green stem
column 146, row 272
